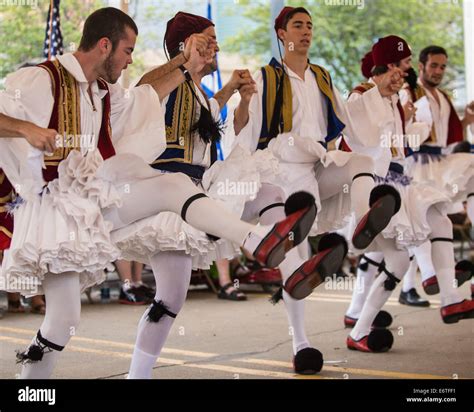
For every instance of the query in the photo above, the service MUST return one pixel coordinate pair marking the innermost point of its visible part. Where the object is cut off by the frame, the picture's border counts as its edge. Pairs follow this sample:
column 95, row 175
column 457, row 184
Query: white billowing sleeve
column 365, row 117
column 417, row 133
column 404, row 96
column 27, row 96
column 215, row 109
column 372, row 148
column 250, row 134
column 138, row 121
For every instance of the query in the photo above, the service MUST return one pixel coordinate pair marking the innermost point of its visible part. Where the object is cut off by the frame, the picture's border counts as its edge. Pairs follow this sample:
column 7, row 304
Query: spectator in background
column 38, row 304
column 228, row 290
column 133, row 291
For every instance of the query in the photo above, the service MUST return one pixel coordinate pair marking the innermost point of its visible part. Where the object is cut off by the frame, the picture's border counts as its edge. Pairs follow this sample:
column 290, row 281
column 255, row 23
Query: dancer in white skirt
column 422, row 216
column 295, row 115
column 93, row 180
column 171, row 246
column 439, row 161
column 193, row 128
column 383, row 154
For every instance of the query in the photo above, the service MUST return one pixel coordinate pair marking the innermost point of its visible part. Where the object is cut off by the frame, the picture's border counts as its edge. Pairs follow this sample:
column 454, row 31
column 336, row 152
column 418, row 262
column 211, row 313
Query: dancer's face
column 119, row 59
column 298, row 34
column 212, row 67
column 432, row 72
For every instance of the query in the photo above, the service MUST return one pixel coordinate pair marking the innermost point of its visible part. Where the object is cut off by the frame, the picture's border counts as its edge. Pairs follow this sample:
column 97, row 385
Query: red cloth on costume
column 279, row 21
column 183, row 25
column 366, row 65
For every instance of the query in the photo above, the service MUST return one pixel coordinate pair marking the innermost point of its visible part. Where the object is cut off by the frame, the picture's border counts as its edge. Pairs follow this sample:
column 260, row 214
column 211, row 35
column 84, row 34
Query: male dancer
column 295, row 114
column 424, row 216
column 436, row 163
column 61, row 232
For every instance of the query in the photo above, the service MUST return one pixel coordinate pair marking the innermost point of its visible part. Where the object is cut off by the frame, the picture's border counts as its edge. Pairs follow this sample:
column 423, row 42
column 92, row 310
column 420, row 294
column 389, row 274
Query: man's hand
column 240, row 78
column 409, row 110
column 468, row 114
column 42, row 139
column 200, row 49
column 391, row 82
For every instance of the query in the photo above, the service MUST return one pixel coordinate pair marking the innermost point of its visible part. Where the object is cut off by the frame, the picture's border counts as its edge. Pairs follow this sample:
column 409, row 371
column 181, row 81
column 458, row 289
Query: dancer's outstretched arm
column 199, row 50
column 39, row 137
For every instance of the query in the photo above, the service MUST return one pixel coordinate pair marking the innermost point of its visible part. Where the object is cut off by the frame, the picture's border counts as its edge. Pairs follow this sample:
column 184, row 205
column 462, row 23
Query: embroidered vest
column 66, row 120
column 66, row 117
column 272, row 78
column 180, row 118
column 455, row 129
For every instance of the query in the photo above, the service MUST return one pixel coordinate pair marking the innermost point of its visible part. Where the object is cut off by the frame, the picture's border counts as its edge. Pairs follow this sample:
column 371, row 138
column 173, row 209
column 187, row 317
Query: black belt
column 396, row 167
column 435, row 150
column 194, row 171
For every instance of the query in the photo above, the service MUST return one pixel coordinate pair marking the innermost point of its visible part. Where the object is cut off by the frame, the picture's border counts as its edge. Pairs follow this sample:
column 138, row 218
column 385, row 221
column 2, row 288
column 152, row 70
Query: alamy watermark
column 29, row 3
column 232, row 188
column 360, row 4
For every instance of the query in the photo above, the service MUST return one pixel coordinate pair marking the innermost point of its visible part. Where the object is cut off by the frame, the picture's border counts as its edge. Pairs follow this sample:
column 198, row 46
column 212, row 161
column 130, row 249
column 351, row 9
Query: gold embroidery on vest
column 184, row 114
column 69, row 113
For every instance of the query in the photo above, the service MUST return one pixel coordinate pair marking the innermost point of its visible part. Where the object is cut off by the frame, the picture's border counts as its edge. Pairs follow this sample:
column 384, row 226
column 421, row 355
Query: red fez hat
column 390, row 49
column 367, row 63
column 280, row 20
column 183, row 25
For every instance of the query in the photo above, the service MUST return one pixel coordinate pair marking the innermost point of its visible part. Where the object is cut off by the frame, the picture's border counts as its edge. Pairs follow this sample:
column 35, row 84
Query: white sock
column 295, row 308
column 334, row 179
column 293, row 259
column 409, row 278
column 396, row 262
column 360, row 194
column 443, row 259
column 443, row 256
column 363, row 283
column 63, row 296
column 424, row 261
column 172, row 272
column 169, row 192
column 470, row 208
column 470, row 200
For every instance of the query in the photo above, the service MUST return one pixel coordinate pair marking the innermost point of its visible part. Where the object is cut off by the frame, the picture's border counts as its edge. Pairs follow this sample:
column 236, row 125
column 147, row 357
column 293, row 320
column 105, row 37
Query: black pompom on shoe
column 380, row 340
column 298, row 201
column 382, row 320
column 308, row 361
column 383, row 190
column 331, row 240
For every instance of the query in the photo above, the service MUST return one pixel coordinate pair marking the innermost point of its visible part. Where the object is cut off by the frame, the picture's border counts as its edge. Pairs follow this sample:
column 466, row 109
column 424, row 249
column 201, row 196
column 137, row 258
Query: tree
column 343, row 34
column 23, row 30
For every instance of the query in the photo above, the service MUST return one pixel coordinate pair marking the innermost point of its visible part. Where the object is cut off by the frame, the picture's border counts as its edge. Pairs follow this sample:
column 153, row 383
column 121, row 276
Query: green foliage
column 23, row 30
column 343, row 34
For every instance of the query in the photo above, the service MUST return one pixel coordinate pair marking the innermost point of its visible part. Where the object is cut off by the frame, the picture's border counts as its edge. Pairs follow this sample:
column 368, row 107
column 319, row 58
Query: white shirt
column 136, row 118
column 438, row 116
column 201, row 150
column 392, row 136
column 363, row 117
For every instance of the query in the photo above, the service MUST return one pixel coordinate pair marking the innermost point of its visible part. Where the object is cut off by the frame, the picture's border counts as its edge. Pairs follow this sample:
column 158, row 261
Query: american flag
column 53, row 42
